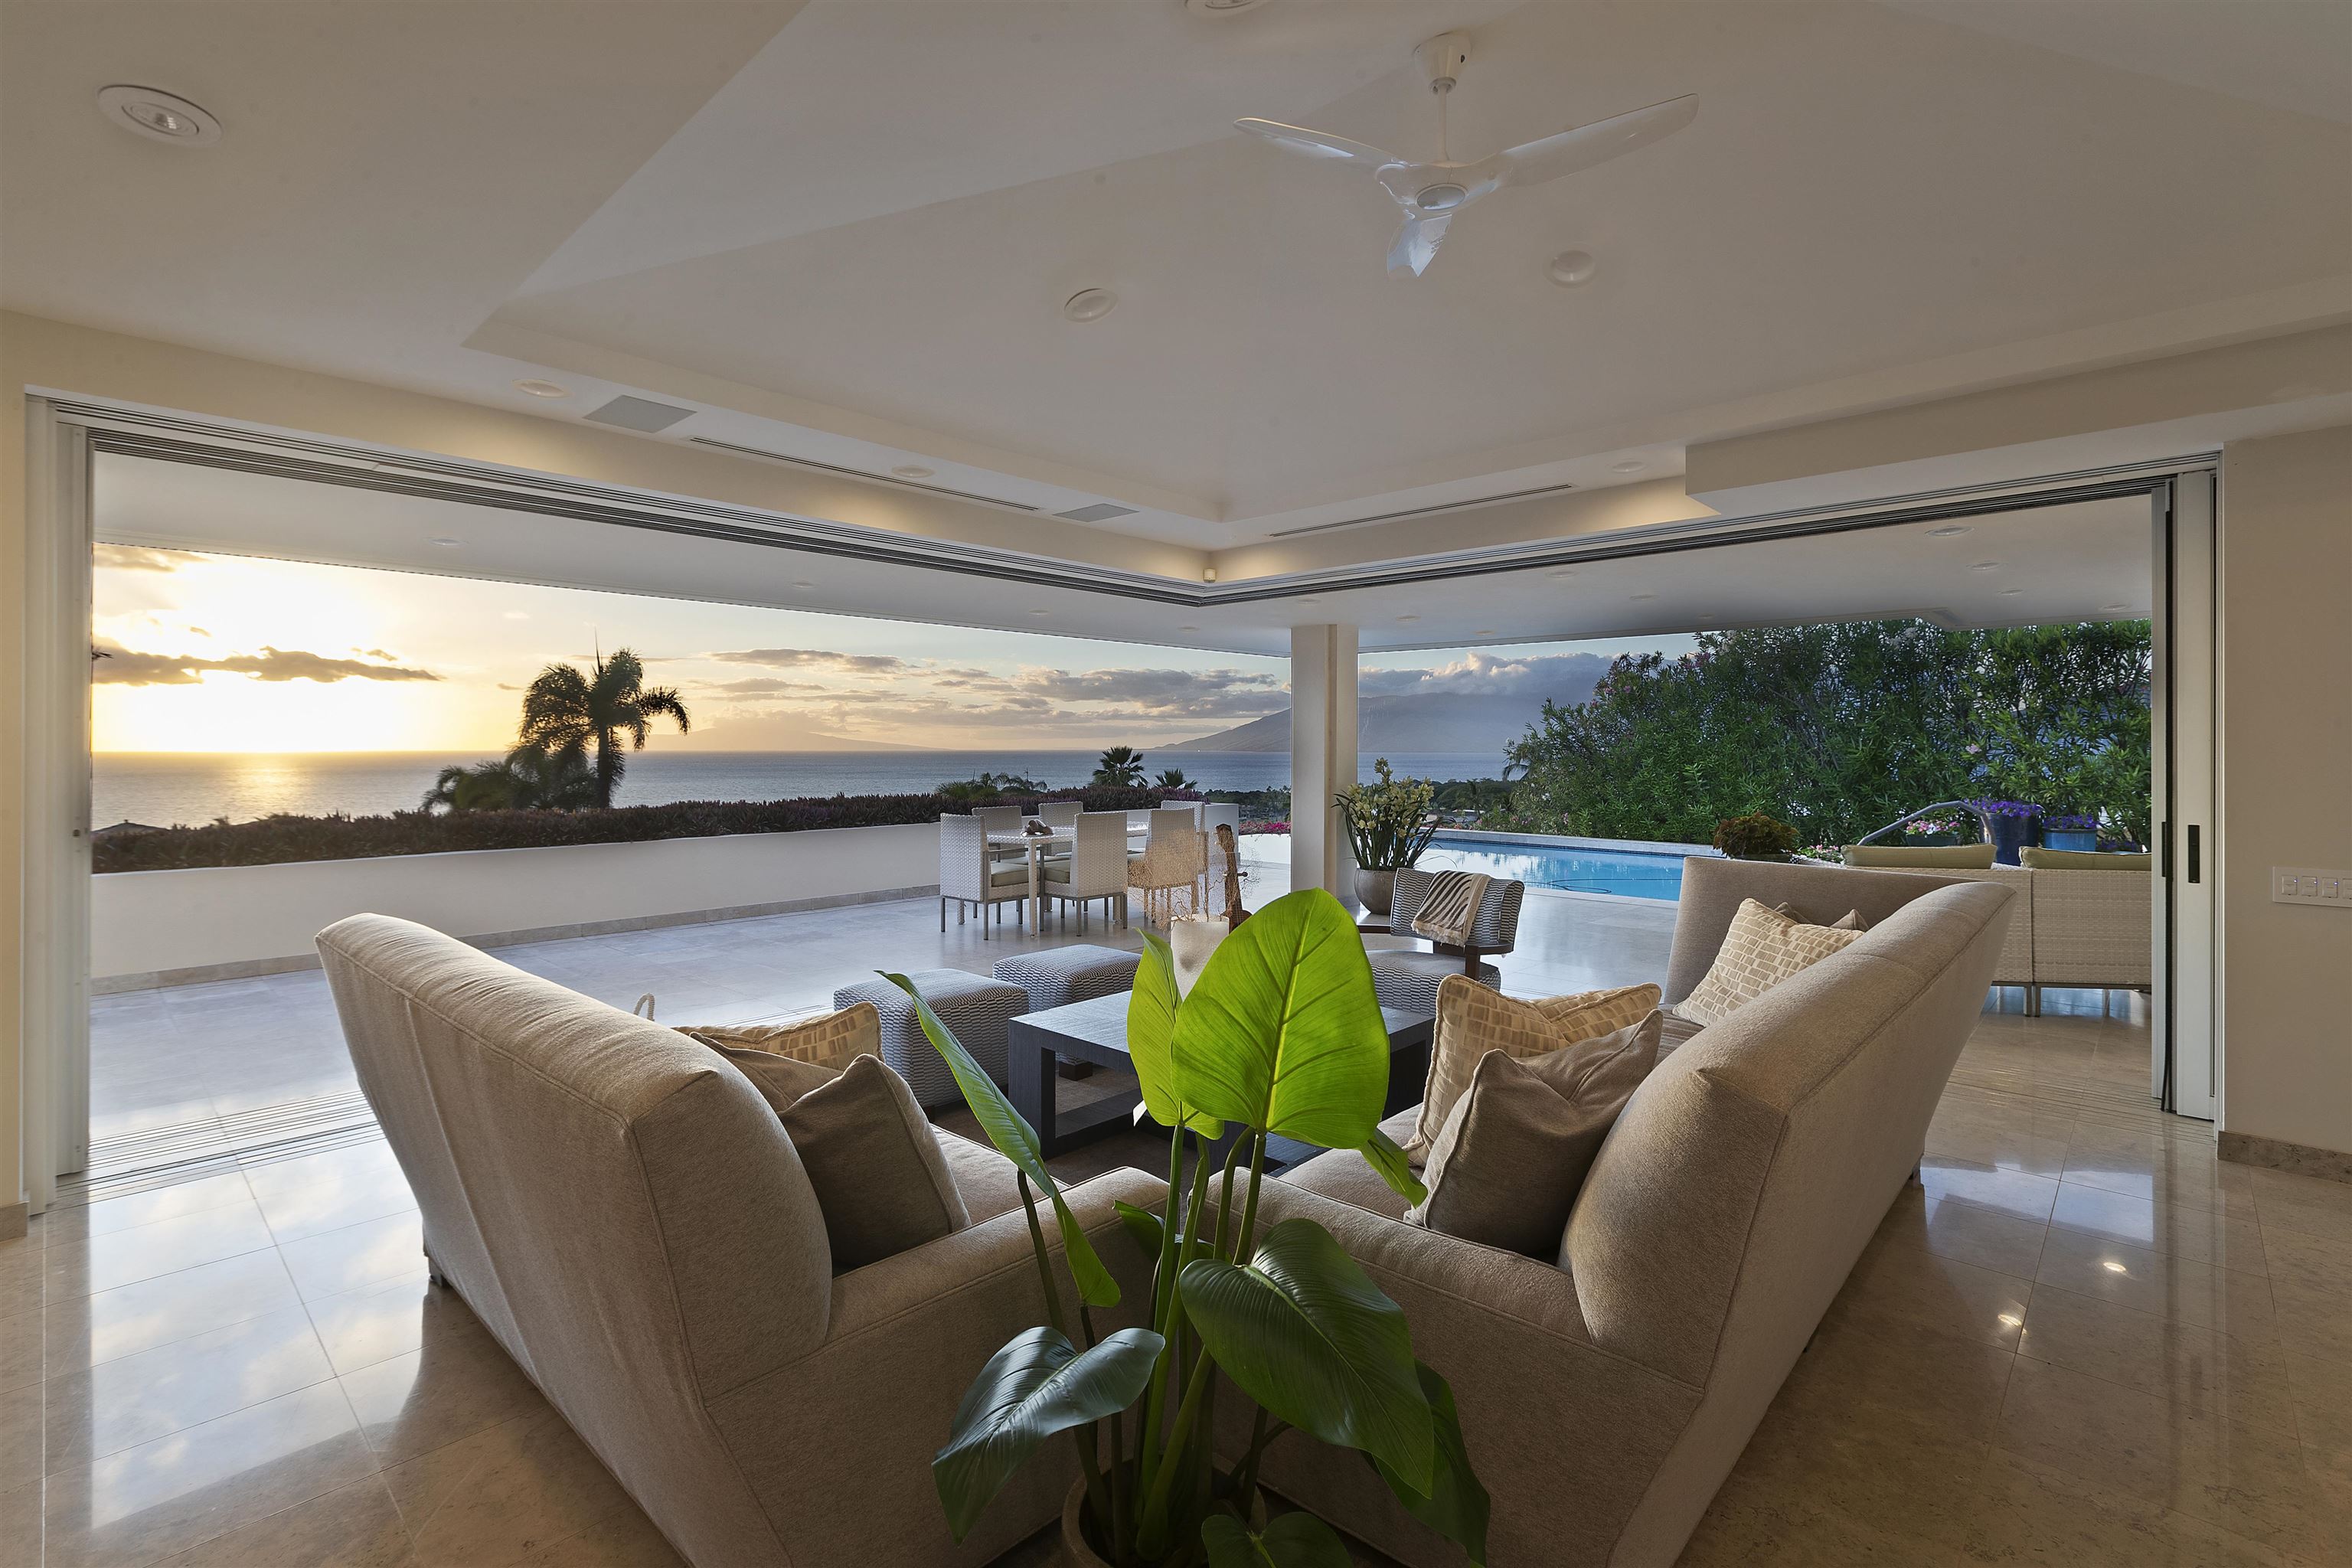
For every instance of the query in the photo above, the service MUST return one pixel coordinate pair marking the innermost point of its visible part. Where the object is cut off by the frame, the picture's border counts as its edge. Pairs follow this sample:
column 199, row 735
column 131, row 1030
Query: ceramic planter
column 1375, row 891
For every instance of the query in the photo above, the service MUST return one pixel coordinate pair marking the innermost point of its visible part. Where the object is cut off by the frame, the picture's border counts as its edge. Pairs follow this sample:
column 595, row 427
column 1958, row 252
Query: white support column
column 1322, row 752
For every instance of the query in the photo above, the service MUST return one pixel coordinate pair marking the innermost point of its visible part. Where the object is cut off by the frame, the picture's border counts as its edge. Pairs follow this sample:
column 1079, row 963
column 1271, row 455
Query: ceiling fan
column 1431, row 193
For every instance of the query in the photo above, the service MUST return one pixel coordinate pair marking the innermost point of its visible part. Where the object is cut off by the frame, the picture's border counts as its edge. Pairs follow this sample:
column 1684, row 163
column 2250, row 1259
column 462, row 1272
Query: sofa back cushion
column 1921, row 857
column 1744, row 1176
column 623, row 1200
column 1713, row 889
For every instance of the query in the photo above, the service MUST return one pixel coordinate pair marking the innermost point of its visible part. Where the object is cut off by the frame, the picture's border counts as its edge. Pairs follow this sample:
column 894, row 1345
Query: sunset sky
column 238, row 654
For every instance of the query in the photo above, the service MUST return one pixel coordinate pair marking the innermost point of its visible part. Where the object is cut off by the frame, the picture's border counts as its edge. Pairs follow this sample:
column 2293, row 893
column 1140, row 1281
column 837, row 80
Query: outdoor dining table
column 1036, row 844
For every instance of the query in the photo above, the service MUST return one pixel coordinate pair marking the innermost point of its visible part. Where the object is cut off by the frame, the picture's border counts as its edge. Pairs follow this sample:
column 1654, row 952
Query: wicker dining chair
column 1096, row 866
column 1170, row 867
column 973, row 878
column 1059, row 813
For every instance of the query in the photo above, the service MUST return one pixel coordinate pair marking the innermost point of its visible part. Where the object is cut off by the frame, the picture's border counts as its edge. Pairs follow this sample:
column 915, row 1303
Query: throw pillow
column 1472, row 1020
column 780, row 1080
column 1515, row 1150
column 1762, row 948
column 879, row 1176
column 831, row 1039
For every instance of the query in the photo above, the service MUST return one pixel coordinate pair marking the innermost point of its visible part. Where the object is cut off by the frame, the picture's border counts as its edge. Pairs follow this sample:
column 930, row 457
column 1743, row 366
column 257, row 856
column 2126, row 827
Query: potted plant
column 1755, row 837
column 2010, row 824
column 2071, row 830
column 1389, row 824
column 1281, row 1036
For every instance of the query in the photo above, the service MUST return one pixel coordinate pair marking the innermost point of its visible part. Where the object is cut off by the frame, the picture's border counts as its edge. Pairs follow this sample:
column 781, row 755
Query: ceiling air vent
column 857, row 473
column 639, row 414
column 1101, row 511
column 1420, row 512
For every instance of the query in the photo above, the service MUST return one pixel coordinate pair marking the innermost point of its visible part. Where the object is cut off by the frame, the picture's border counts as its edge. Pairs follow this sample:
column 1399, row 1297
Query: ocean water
column 163, row 788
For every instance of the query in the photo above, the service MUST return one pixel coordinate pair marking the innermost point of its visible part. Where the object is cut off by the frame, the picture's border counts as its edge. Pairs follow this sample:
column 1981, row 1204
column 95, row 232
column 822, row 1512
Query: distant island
column 1416, row 722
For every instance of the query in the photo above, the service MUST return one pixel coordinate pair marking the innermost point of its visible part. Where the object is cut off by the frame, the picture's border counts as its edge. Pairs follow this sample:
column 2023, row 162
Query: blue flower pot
column 2070, row 838
column 2010, row 834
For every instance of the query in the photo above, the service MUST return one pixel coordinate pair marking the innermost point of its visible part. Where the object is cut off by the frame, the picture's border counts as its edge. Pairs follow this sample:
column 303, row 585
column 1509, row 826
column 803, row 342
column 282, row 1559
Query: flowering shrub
column 1389, row 823
column 2016, row 809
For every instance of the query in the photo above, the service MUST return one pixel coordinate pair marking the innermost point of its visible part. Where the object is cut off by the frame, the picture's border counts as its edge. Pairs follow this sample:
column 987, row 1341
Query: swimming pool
column 1634, row 873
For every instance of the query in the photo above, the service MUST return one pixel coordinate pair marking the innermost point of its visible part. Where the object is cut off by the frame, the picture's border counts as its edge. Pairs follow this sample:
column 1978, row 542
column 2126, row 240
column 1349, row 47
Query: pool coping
column 1571, row 841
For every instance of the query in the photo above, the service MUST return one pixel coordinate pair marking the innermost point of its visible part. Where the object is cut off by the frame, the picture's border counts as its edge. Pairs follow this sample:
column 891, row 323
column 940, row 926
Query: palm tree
column 523, row 780
column 1121, row 765
column 571, row 720
column 1172, row 778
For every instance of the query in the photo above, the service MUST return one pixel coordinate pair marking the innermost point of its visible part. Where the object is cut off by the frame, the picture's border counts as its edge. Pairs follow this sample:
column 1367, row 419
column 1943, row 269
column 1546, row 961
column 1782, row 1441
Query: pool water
column 1634, row 873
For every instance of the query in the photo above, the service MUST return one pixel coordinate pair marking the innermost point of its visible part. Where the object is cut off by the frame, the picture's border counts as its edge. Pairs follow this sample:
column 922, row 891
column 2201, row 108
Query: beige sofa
column 1606, row 1393
column 2088, row 927
column 623, row 1210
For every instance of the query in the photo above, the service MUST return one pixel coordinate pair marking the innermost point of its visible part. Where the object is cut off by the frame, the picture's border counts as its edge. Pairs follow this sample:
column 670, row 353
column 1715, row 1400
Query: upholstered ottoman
column 975, row 1008
column 1060, row 975
column 1407, row 979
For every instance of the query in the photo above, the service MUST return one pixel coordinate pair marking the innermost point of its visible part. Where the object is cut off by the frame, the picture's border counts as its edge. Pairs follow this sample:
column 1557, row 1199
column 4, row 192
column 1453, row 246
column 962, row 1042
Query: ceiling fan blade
column 1572, row 150
column 1314, row 143
column 1415, row 245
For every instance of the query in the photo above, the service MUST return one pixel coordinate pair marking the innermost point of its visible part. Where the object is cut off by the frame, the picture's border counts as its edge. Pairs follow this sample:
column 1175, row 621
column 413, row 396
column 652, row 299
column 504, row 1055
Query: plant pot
column 1076, row 1553
column 2010, row 834
column 2070, row 838
column 1375, row 891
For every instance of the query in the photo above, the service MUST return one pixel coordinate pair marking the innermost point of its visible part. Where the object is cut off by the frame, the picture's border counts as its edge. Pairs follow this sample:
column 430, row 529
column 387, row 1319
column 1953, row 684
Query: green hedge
column 275, row 840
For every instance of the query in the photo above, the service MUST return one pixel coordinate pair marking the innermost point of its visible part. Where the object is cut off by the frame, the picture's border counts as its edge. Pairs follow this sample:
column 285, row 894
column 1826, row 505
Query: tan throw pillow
column 830, row 1040
column 1472, row 1020
column 879, row 1176
column 780, row 1080
column 1514, row 1151
column 1762, row 948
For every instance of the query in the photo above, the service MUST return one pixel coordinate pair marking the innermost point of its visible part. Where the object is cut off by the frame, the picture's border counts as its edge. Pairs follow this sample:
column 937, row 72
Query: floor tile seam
column 96, row 1458
column 1967, row 1201
column 182, row 1339
column 284, row 1241
column 2222, row 1213
column 166, row 1274
column 1920, row 1243
column 2098, row 1377
column 2057, row 1223
column 190, row 1214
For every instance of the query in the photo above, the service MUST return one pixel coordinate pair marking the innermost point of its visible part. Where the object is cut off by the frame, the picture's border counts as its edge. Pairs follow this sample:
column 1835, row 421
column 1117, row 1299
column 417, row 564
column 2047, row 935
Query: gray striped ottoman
column 976, row 1009
column 1060, row 975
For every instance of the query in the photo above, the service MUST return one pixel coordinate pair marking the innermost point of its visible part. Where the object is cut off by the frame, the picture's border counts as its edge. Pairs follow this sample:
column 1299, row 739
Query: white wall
column 2286, row 763
column 145, row 923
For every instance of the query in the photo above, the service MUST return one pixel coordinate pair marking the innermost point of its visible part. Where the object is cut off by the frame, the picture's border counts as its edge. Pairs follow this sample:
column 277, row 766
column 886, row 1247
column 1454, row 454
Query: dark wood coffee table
column 1096, row 1031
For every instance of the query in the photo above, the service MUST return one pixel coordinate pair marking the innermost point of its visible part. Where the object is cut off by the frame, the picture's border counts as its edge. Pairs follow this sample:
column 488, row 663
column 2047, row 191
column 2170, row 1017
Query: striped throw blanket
column 1452, row 908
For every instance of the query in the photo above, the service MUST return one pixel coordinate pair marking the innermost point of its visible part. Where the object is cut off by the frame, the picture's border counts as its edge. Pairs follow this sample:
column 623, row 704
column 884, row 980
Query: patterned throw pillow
column 1762, row 948
column 1472, row 1020
column 828, row 1041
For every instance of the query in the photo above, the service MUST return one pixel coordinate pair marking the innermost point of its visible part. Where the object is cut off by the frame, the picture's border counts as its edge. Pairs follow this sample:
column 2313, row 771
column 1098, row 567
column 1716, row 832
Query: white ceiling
column 843, row 230
column 2066, row 562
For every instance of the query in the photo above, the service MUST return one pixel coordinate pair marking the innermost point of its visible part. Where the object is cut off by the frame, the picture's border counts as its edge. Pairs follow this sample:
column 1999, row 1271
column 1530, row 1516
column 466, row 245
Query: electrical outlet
column 2307, row 885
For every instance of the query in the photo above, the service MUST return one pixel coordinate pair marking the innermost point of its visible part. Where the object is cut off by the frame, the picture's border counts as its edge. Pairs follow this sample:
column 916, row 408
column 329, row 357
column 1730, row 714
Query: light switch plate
column 2310, row 885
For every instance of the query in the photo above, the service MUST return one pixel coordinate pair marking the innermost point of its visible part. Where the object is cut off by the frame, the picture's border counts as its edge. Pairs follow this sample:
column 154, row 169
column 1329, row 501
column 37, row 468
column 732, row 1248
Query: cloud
column 140, row 558
column 1566, row 677
column 815, row 659
column 124, row 667
column 1162, row 693
column 763, row 686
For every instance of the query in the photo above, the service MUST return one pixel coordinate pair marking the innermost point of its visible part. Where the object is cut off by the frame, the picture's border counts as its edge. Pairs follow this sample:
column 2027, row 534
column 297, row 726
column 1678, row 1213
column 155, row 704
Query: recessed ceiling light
column 1090, row 305
column 804, row 585
column 1645, row 594
column 1041, row 612
column 910, row 470
column 165, row 116
column 1949, row 530
column 1408, row 618
column 2006, row 592
column 1188, row 628
column 1629, row 465
column 1572, row 268
column 2112, row 1266
column 1984, row 565
column 446, row 542
column 539, row 388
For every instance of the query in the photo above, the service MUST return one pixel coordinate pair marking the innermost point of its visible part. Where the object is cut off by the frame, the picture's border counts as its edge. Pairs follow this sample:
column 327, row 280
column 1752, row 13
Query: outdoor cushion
column 1514, row 1151
column 880, row 1178
column 831, row 1038
column 1472, row 1020
column 1762, row 948
column 2035, row 858
column 1922, row 857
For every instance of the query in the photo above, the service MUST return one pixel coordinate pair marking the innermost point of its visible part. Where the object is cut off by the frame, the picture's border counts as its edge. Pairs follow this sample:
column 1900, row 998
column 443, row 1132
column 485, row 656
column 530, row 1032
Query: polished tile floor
column 2082, row 1340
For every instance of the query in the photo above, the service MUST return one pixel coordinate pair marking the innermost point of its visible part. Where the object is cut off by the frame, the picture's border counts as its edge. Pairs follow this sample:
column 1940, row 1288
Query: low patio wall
column 166, row 928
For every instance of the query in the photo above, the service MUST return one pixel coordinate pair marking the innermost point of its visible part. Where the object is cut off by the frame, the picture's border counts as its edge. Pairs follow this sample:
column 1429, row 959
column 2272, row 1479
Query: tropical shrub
column 273, row 840
column 1755, row 837
column 1281, row 1036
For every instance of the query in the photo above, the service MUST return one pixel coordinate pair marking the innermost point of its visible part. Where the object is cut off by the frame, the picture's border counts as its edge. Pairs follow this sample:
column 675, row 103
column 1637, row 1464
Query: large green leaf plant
column 1281, row 1036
